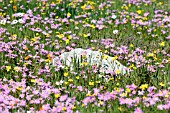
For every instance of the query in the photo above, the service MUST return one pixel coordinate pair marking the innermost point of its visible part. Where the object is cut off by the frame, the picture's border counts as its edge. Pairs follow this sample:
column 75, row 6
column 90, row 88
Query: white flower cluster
column 106, row 63
column 4, row 21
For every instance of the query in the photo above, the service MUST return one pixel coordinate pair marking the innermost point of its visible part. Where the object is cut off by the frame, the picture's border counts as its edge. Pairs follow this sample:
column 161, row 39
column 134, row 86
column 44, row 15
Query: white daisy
column 14, row 22
column 3, row 22
column 113, row 16
column 115, row 31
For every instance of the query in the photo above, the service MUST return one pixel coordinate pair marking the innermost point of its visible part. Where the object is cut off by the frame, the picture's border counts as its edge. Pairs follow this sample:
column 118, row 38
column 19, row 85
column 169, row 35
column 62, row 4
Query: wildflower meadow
column 134, row 32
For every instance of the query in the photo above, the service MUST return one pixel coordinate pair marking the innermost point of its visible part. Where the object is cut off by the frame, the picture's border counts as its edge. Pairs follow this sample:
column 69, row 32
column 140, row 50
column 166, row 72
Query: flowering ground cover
column 134, row 32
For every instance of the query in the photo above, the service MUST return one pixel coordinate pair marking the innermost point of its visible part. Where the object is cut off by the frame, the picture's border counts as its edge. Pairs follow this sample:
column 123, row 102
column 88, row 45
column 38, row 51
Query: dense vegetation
column 135, row 32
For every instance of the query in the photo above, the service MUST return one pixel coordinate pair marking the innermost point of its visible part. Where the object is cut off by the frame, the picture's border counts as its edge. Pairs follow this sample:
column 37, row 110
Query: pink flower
column 168, row 37
column 138, row 110
column 63, row 97
column 160, row 107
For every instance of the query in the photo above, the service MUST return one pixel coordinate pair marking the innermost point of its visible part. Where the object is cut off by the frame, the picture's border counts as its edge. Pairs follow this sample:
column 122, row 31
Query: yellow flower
column 111, row 79
column 69, row 37
column 123, row 94
column 97, row 82
column 150, row 55
column 16, row 68
column 52, row 3
column 144, row 97
column 73, row 107
column 145, row 18
column 160, row 3
column 90, row 2
column 48, row 60
column 100, row 103
column 66, row 68
column 155, row 58
column 57, row 95
column 128, row 90
column 125, row 7
column 60, row 36
column 64, row 108
column 105, row 57
column 65, row 83
column 70, row 80
column 99, row 50
column 83, row 7
column 85, row 35
column 91, row 83
column 131, row 45
column 161, row 84
column 58, row 1
column 37, row 34
column 88, row 94
column 93, row 48
column 106, row 51
column 162, row 44
column 117, row 71
column 114, row 58
column 67, row 41
column 120, row 108
column 139, row 12
column 132, row 66
column 8, row 68
column 25, row 64
column 144, row 86
column 84, row 64
column 92, row 26
column 32, row 80
column 68, row 14
column 66, row 74
column 33, row 39
column 77, row 77
column 10, row 1
column 19, row 88
column 117, row 89
column 166, row 96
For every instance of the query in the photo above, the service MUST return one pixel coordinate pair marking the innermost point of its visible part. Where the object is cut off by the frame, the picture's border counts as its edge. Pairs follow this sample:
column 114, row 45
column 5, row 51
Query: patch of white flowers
column 106, row 63
column 13, row 22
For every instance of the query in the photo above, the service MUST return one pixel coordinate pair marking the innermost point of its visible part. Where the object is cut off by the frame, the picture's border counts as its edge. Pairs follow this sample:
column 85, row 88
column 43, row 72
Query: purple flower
column 168, row 37
column 63, row 97
column 138, row 110
column 160, row 107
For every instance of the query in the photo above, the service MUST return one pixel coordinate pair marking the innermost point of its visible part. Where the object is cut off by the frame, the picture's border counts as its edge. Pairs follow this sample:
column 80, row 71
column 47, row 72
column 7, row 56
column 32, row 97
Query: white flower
column 61, row 82
column 57, row 83
column 14, row 22
column 113, row 16
column 20, row 14
column 3, row 22
column 21, row 21
column 115, row 31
